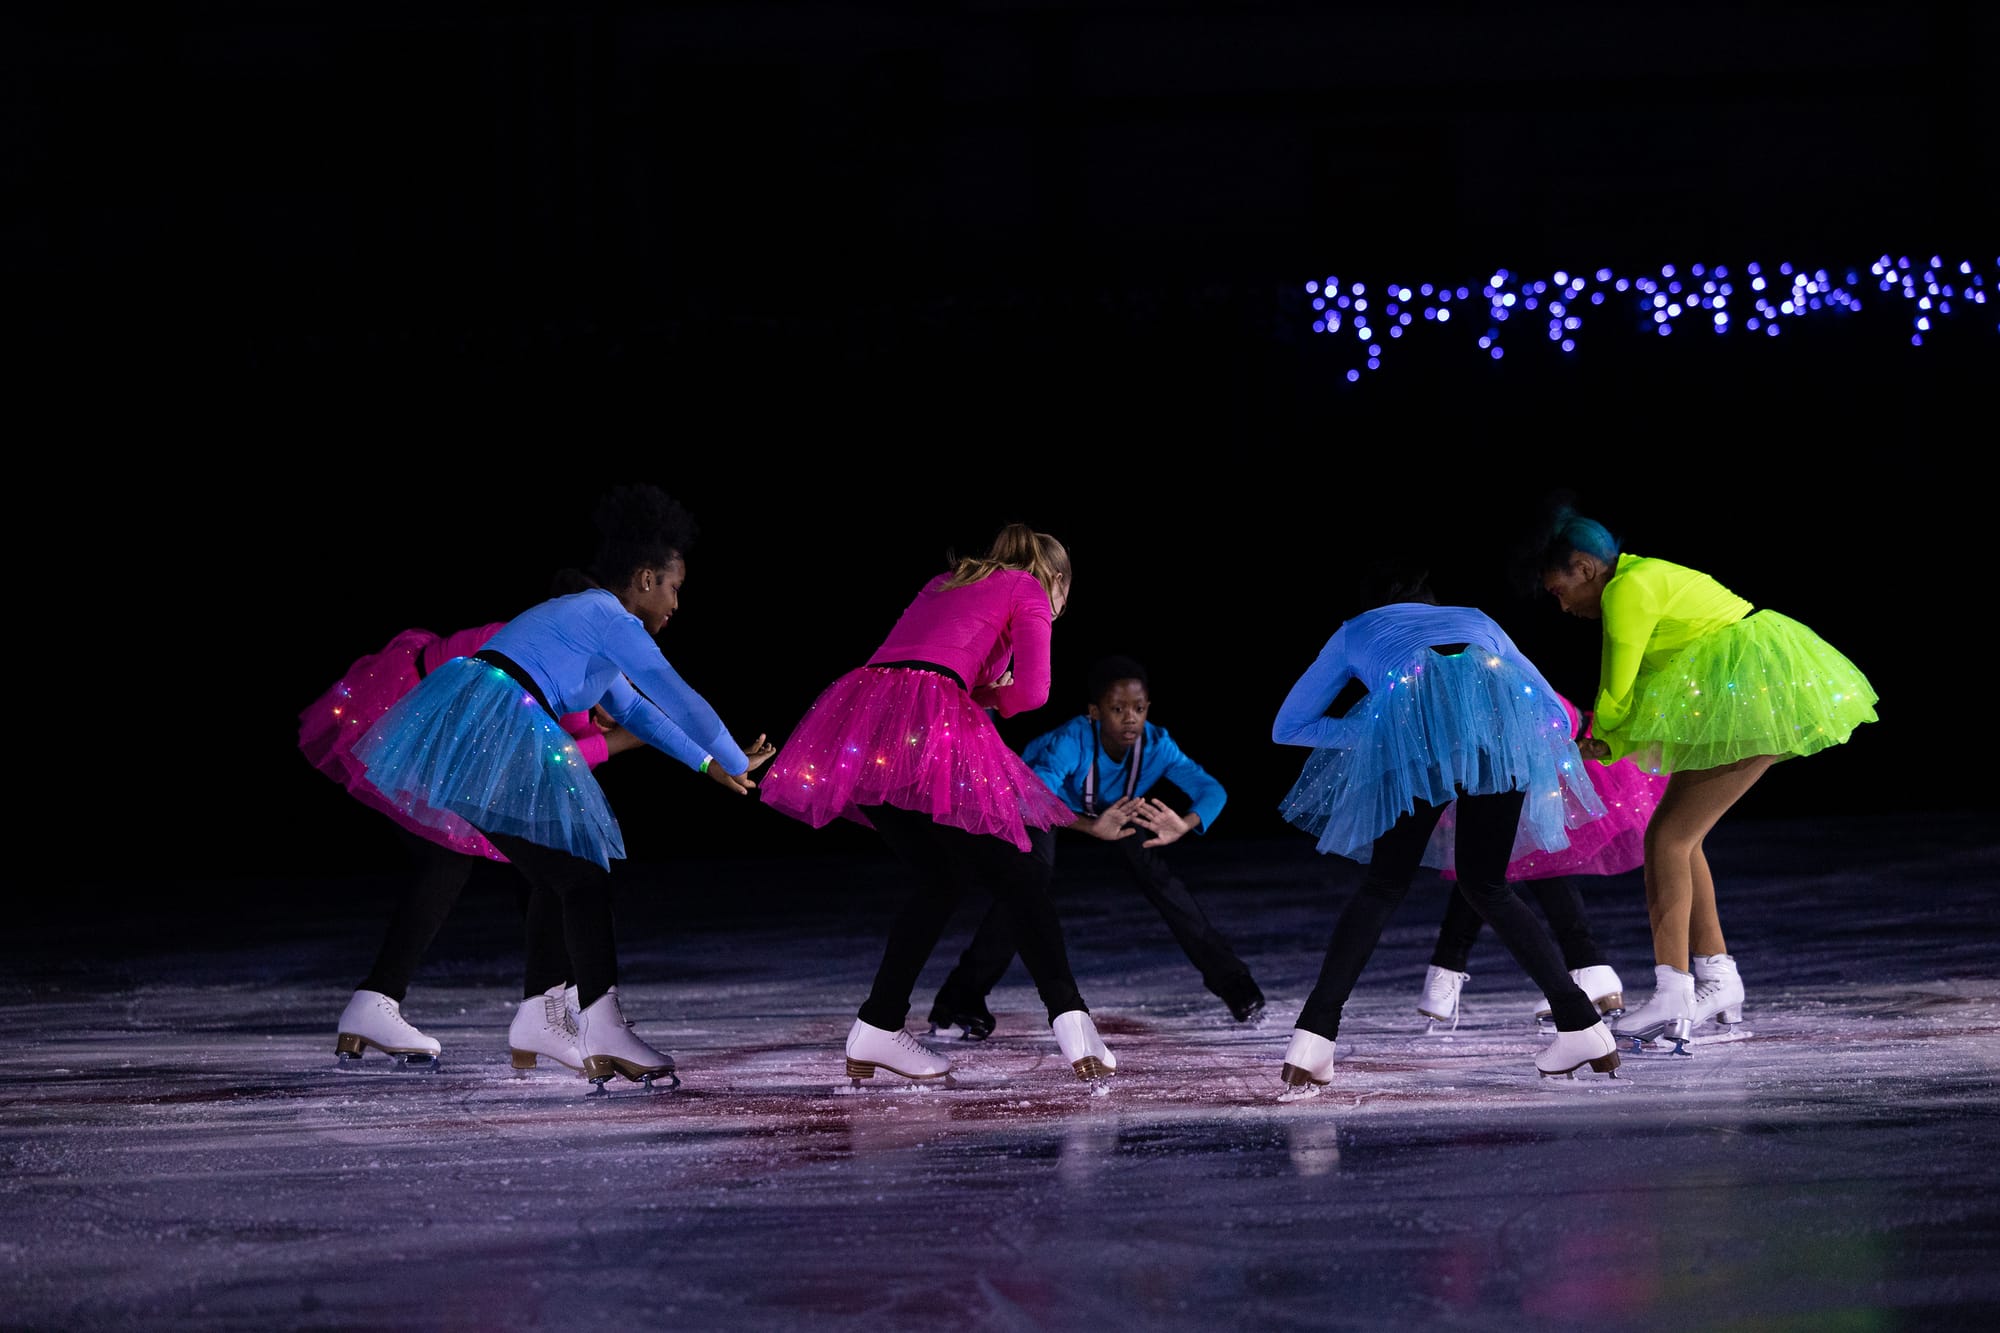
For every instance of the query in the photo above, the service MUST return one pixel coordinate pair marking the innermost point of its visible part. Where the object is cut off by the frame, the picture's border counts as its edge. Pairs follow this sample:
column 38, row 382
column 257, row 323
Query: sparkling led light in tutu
column 1752, row 300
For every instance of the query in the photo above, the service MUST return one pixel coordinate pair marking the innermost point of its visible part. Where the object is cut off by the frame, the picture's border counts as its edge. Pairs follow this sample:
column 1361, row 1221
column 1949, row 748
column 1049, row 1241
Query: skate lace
column 555, row 1012
column 911, row 1044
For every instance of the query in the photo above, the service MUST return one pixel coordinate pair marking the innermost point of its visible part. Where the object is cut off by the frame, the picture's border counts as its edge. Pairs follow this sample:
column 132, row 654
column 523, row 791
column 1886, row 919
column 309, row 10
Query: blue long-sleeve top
column 586, row 648
column 1061, row 757
column 1377, row 646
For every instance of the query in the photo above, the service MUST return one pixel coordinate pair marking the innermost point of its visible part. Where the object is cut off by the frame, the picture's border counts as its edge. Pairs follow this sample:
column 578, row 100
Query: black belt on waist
column 925, row 666
column 520, row 675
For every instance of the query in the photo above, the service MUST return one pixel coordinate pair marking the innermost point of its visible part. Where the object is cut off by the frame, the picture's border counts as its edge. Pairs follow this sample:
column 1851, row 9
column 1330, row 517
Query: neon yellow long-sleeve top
column 1652, row 609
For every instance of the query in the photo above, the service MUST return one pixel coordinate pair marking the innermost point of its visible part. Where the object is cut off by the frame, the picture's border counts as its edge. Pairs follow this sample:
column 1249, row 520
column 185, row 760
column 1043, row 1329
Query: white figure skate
column 544, row 1028
column 610, row 1047
column 1600, row 982
column 1308, row 1064
column 1439, row 1001
column 1571, row 1051
column 870, row 1048
column 374, row 1021
column 1076, row 1034
column 1663, row 1023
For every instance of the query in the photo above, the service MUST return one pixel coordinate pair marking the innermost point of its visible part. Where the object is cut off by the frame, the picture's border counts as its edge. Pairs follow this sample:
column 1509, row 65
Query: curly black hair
column 639, row 527
column 1108, row 671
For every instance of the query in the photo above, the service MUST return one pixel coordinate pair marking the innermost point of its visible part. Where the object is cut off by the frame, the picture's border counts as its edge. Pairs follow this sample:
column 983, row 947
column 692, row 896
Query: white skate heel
column 1309, row 1063
column 1667, row 1017
column 1439, row 1001
column 1599, row 982
column 1571, row 1051
column 374, row 1021
column 1076, row 1034
column 544, row 1028
column 1718, row 990
column 610, row 1047
column 870, row 1048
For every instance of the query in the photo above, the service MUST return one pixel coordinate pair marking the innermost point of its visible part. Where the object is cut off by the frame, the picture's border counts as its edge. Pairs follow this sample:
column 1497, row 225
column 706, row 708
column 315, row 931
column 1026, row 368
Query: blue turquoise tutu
column 1473, row 723
column 470, row 742
column 1764, row 685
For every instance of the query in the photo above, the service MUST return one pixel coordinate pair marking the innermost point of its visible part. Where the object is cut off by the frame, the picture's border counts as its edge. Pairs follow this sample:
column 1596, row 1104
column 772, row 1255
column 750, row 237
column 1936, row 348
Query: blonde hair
column 1018, row 546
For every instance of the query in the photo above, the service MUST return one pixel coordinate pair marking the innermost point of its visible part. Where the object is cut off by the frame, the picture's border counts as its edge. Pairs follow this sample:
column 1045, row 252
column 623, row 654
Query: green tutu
column 1764, row 685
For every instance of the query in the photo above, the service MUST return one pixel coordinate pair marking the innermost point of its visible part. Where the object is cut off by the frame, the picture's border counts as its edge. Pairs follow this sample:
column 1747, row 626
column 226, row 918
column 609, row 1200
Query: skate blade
column 1655, row 1046
column 400, row 1062
column 1438, row 1025
column 886, row 1087
column 646, row 1082
column 1299, row 1084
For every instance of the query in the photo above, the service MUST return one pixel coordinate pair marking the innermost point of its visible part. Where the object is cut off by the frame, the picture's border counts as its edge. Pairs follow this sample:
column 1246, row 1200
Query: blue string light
column 1757, row 300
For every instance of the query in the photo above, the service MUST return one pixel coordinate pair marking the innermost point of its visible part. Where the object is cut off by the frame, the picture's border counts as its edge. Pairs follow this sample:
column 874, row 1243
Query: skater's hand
column 736, row 782
column 1115, row 822
column 757, row 752
column 1006, row 679
column 1167, row 827
column 1592, row 748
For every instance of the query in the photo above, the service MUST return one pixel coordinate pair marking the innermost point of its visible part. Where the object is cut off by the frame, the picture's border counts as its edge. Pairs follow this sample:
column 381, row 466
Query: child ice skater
column 447, row 850
column 903, row 744
column 1105, row 763
column 1698, row 684
column 1455, row 716
column 478, row 742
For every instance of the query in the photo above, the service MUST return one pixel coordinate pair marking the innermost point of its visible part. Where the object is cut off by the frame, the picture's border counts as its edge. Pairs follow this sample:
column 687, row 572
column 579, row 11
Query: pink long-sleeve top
column 589, row 737
column 975, row 630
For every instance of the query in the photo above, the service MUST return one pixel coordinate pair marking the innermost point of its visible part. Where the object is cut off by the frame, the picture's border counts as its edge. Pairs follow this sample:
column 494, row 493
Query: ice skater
column 1454, row 715
column 446, row 850
column 904, row 744
column 1612, row 844
column 1105, row 763
column 1696, row 684
column 478, row 741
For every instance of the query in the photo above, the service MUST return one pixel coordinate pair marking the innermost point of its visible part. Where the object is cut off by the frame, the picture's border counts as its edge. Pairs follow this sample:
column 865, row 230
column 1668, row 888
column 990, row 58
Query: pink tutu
column 1611, row 844
column 910, row 738
column 331, row 724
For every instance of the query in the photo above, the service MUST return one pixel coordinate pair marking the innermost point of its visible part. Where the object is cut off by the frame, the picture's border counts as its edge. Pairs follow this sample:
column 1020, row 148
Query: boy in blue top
column 1113, row 807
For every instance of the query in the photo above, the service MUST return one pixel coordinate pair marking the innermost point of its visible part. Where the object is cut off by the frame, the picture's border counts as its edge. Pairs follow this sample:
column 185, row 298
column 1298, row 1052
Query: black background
column 331, row 321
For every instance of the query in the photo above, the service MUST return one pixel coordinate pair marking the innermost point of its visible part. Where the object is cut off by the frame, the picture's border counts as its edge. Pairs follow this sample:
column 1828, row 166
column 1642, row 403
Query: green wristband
column 706, row 760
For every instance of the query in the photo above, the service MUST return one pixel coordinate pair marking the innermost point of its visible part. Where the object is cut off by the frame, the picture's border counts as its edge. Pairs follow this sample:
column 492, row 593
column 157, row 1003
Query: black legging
column 579, row 893
column 992, row 950
column 441, row 877
column 945, row 862
column 1485, row 838
column 1562, row 906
